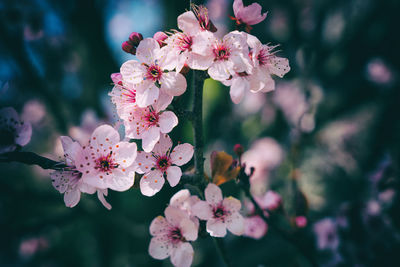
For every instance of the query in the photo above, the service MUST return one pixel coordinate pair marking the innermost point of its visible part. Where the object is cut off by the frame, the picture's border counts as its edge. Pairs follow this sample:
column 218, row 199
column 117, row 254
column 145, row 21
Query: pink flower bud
column 160, row 38
column 128, row 48
column 135, row 38
column 301, row 221
column 238, row 149
column 116, row 78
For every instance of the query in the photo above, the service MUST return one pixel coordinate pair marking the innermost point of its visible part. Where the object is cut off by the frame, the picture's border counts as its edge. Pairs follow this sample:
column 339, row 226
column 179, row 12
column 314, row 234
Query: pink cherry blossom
column 171, row 235
column 248, row 15
column 68, row 181
column 301, row 221
column 162, row 161
column 148, row 123
column 179, row 44
column 108, row 162
column 270, row 200
column 184, row 201
column 152, row 74
column 255, row 227
column 122, row 95
column 203, row 19
column 13, row 131
column 228, row 56
column 220, row 213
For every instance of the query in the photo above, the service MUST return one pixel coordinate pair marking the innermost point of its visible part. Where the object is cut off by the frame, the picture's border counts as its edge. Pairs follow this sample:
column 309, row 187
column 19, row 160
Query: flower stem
column 219, row 243
column 31, row 158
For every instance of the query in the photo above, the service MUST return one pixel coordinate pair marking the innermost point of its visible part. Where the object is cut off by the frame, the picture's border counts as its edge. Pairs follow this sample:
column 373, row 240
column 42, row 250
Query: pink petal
column 188, row 229
column 213, row 194
column 188, row 23
column 179, row 198
column 231, row 204
column 167, row 120
column 173, row 83
column 71, row 198
column 237, row 6
column 182, row 256
column 181, row 154
column 238, row 88
column 174, row 215
column 122, row 179
column 100, row 195
column 147, row 51
column 132, row 72
column 199, row 62
column 202, row 210
column 160, row 248
column 61, row 180
column 148, row 96
column 104, row 137
column 125, row 153
column 24, row 132
column 235, row 223
column 163, row 101
column 159, row 226
column 174, row 174
column 151, row 183
column 145, row 161
column 218, row 71
column 279, row 66
column 163, row 145
column 255, row 227
column 216, row 228
column 150, row 138
column 71, row 149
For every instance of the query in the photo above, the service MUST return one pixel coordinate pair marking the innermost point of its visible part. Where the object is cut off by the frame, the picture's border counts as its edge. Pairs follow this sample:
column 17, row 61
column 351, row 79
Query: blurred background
column 327, row 139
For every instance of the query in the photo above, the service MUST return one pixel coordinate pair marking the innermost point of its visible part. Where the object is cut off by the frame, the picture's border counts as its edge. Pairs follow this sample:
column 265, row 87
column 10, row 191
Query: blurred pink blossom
column 301, row 221
column 378, row 72
column 326, row 231
column 29, row 247
column 255, row 227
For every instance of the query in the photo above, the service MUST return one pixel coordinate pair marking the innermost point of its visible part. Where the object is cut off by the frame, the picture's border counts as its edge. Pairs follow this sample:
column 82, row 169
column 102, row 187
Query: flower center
column 221, row 52
column 163, row 163
column 129, row 95
column 154, row 73
column 151, row 117
column 175, row 235
column 219, row 212
column 184, row 42
column 263, row 57
column 106, row 163
column 201, row 13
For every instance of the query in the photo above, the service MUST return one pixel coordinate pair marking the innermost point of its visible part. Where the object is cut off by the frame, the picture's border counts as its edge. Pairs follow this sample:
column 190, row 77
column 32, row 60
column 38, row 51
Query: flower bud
column 301, row 221
column 238, row 149
column 135, row 38
column 160, row 38
column 128, row 48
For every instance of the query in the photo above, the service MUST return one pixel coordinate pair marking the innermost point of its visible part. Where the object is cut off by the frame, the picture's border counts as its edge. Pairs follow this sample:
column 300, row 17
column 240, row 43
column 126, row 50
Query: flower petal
column 125, row 153
column 213, row 194
column 179, row 198
column 145, row 161
column 181, row 154
column 231, row 204
column 167, row 120
column 147, row 50
column 24, row 132
column 188, row 229
column 202, row 210
column 159, row 226
column 238, row 88
column 71, row 198
column 163, row 145
column 160, row 248
column 151, row 183
column 100, row 195
column 150, row 138
column 174, row 215
column 148, row 97
column 132, row 72
column 173, row 83
column 182, row 256
column 216, row 228
column 174, row 174
column 188, row 23
column 122, row 179
column 103, row 138
column 235, row 223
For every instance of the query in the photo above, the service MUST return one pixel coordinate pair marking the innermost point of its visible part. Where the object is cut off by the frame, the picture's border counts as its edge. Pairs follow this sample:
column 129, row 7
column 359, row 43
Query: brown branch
column 31, row 158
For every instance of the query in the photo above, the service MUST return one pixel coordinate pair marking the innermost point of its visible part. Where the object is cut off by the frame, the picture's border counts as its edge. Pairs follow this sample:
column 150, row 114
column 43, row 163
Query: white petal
column 100, row 195
column 122, row 179
column 103, row 138
column 125, row 153
column 148, row 97
column 213, row 194
column 71, row 198
column 147, row 50
column 182, row 256
column 181, row 154
column 163, row 101
column 150, row 138
column 189, row 229
column 160, row 247
column 179, row 198
column 235, row 223
column 174, row 215
column 145, row 161
column 279, row 66
column 173, row 83
column 163, row 145
column 151, row 183
column 167, row 120
column 218, row 71
column 188, row 23
column 174, row 174
column 132, row 72
column 159, row 226
column 238, row 88
column 202, row 210
column 231, row 204
column 216, row 228
column 199, row 62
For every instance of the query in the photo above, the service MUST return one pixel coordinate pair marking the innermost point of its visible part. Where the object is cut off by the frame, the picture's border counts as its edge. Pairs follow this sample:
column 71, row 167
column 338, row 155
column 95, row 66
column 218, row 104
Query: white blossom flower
column 13, row 132
column 184, row 201
column 68, row 181
column 109, row 163
column 171, row 235
column 162, row 161
column 152, row 74
column 220, row 213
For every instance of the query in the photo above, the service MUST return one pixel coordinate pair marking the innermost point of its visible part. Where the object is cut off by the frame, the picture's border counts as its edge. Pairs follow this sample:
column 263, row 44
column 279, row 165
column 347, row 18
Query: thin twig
column 31, row 158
